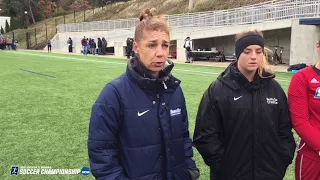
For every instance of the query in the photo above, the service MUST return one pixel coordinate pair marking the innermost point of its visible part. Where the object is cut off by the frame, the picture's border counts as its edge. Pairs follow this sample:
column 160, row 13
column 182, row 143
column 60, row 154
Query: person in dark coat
column 84, row 44
column 132, row 51
column 139, row 124
column 93, row 47
column 99, row 46
column 243, row 127
column 70, row 43
column 104, row 46
column 49, row 46
column 129, row 47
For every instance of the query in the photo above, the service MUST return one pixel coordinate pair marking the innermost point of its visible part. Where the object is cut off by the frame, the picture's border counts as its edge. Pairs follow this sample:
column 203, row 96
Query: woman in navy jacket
column 139, row 125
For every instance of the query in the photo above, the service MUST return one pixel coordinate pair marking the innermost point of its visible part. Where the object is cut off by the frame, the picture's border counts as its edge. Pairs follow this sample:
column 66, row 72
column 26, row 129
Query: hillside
column 130, row 9
column 133, row 8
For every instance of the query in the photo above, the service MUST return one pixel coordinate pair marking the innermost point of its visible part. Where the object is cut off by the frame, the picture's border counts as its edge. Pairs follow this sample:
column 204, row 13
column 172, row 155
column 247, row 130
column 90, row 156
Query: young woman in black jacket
column 243, row 126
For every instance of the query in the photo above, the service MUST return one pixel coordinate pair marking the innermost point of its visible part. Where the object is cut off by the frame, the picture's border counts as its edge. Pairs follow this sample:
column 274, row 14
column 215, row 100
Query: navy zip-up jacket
column 139, row 129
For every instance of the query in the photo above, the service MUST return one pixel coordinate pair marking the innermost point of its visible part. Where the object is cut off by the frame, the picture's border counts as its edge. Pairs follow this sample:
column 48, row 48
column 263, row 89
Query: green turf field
column 44, row 117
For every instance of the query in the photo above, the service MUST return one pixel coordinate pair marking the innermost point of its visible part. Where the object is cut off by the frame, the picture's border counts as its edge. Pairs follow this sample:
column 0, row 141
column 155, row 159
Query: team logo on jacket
column 314, row 81
column 174, row 112
column 317, row 94
column 272, row 100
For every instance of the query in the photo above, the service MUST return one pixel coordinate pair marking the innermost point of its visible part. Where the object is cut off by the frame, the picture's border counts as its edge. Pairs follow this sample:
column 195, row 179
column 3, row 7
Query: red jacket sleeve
column 299, row 110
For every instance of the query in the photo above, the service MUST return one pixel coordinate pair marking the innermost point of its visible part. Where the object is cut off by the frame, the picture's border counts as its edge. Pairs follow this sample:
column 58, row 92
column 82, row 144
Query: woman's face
column 250, row 58
column 153, row 50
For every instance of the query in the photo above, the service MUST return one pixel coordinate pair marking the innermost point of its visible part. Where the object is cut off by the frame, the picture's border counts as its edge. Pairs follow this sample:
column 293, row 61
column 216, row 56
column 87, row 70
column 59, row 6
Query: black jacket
column 243, row 129
column 93, row 45
column 99, row 43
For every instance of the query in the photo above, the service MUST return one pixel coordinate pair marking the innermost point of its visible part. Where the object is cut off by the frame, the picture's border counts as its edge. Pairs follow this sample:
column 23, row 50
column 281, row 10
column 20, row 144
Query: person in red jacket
column 304, row 106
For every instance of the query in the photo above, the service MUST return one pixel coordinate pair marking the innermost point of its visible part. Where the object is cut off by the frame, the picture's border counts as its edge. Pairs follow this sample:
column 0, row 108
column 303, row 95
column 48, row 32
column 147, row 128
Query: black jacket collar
column 139, row 74
column 235, row 80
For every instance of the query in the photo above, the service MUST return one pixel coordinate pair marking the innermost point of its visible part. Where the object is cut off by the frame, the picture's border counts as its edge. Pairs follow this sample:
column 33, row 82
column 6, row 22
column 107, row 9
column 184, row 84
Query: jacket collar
column 138, row 73
column 233, row 78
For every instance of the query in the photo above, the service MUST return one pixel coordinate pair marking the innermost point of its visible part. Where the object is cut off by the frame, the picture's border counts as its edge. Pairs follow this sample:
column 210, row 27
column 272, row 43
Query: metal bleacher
column 257, row 13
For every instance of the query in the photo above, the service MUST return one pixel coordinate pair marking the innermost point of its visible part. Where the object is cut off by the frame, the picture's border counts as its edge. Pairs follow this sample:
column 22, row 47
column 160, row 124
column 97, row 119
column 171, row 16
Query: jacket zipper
column 164, row 85
column 164, row 157
column 258, row 117
column 253, row 138
column 260, row 114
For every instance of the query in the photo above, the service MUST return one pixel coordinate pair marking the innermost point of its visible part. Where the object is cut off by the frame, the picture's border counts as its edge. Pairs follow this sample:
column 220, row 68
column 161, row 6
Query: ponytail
column 264, row 65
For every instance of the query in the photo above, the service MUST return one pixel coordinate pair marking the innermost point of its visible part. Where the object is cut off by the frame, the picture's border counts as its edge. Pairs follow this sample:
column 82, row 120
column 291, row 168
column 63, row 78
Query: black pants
column 70, row 48
column 129, row 51
column 104, row 50
column 49, row 48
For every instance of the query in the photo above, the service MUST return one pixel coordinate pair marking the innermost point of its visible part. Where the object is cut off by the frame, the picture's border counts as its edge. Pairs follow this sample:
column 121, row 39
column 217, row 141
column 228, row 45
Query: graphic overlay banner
column 46, row 170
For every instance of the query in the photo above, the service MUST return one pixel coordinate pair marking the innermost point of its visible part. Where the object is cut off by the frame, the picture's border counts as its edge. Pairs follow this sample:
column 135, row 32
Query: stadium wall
column 297, row 40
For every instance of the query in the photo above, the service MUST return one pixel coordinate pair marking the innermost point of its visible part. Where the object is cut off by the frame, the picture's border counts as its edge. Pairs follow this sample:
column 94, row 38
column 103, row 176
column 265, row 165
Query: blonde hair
column 150, row 22
column 264, row 65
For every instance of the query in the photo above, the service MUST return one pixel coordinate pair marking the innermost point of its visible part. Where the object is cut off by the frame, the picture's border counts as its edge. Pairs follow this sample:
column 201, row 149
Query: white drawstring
column 298, row 144
column 164, row 85
column 301, row 147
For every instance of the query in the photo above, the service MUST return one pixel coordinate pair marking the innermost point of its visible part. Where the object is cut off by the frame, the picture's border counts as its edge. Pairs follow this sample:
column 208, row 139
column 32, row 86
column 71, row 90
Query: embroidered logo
column 140, row 114
column 174, row 112
column 314, row 81
column 272, row 100
column 236, row 98
column 317, row 93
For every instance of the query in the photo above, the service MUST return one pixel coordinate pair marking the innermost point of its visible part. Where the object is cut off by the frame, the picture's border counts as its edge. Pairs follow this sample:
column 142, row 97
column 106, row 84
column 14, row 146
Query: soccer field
column 46, row 103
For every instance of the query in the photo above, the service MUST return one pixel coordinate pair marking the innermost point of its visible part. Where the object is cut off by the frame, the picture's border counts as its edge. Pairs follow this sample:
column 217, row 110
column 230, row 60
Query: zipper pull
column 164, row 85
column 158, row 96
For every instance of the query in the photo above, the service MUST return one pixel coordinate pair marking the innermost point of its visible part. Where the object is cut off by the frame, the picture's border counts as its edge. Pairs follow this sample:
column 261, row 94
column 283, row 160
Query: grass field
column 45, row 117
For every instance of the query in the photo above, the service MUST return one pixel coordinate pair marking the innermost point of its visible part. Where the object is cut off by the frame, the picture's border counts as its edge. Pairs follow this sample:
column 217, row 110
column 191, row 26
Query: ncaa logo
column 85, row 171
column 317, row 93
column 14, row 171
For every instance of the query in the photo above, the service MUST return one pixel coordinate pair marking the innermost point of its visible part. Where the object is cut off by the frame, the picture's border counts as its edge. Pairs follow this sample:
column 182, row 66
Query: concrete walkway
column 278, row 68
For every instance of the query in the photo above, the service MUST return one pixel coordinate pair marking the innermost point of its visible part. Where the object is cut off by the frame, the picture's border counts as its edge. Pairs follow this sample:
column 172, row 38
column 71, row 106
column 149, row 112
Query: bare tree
column 190, row 4
column 31, row 12
column 65, row 4
column 29, row 4
column 80, row 5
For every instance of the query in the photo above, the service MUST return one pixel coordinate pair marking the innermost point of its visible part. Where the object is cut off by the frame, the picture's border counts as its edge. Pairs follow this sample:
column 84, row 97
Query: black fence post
column 55, row 24
column 35, row 35
column 46, row 32
column 28, row 40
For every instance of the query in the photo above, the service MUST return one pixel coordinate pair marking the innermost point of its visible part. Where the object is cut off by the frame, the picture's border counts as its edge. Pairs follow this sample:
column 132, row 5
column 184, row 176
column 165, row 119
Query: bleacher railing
column 252, row 14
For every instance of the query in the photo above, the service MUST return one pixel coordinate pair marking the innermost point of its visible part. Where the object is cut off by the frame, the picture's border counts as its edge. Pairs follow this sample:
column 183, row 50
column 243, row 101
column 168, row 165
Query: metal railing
column 257, row 13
